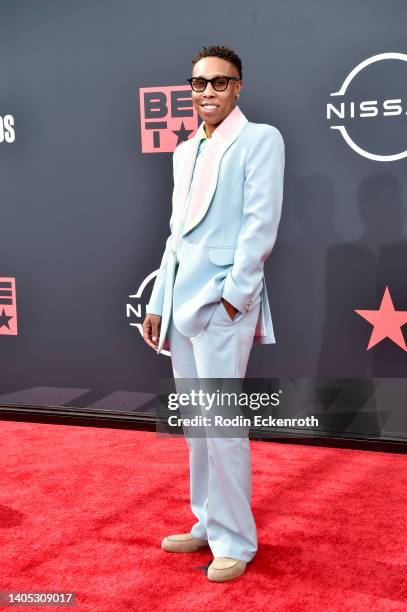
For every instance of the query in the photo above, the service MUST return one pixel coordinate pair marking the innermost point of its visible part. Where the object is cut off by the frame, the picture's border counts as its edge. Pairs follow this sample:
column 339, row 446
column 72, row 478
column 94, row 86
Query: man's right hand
column 151, row 330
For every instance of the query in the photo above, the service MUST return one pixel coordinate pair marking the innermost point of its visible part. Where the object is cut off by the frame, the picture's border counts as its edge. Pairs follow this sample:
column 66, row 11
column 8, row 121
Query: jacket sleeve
column 155, row 305
column 263, row 197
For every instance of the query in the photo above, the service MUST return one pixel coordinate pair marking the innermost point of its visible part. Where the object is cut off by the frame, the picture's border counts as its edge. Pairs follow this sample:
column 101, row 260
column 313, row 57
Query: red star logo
column 387, row 322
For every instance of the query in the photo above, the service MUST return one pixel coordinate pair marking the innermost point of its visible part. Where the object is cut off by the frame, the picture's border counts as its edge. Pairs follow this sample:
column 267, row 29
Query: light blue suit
column 229, row 230
column 223, row 227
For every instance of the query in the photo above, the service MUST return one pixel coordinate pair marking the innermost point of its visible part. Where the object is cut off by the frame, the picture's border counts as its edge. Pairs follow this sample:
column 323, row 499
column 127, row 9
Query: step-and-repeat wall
column 93, row 101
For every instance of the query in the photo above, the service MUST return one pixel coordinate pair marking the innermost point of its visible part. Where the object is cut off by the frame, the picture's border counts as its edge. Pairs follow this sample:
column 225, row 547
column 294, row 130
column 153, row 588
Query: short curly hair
column 221, row 51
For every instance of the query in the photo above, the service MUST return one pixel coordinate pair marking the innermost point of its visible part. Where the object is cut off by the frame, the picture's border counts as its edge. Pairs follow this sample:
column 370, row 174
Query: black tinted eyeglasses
column 219, row 83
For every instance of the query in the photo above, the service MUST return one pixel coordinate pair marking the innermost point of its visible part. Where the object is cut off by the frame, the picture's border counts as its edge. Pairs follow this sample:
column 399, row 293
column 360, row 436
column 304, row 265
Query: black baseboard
column 59, row 415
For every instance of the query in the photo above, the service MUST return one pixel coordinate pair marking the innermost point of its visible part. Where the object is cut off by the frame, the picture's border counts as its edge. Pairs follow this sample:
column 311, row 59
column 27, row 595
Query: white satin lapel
column 221, row 139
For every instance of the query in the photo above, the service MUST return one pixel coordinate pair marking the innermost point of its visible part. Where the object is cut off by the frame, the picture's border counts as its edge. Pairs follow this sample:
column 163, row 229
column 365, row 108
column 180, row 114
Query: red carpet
column 85, row 509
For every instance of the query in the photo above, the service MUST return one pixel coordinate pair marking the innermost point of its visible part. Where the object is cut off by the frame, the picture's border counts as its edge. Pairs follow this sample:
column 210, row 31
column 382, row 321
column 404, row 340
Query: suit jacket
column 229, row 230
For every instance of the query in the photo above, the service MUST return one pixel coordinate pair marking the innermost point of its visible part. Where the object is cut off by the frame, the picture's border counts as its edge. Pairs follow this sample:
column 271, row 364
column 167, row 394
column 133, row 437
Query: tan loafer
column 225, row 568
column 183, row 542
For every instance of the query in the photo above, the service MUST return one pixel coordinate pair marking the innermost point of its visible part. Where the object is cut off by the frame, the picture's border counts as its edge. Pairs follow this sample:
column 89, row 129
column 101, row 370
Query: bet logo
column 167, row 117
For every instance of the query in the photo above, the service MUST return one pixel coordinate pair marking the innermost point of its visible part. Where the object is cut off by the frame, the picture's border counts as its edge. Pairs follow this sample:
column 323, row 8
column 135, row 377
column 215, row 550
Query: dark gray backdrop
column 84, row 214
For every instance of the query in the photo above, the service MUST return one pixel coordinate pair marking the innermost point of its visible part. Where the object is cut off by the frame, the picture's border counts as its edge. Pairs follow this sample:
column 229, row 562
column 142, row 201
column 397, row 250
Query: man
column 209, row 303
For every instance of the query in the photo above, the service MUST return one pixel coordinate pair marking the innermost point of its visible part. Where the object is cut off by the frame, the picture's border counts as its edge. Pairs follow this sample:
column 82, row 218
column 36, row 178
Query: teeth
column 209, row 105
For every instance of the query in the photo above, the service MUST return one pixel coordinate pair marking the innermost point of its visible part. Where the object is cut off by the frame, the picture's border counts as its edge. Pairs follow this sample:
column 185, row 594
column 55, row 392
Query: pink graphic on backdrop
column 387, row 322
column 167, row 117
column 8, row 306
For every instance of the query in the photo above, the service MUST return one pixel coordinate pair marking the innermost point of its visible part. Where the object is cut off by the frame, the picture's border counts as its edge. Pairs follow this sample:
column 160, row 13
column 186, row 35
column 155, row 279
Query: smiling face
column 219, row 103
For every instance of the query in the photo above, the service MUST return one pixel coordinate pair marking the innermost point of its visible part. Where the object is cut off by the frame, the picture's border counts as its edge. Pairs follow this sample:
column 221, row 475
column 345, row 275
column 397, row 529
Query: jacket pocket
column 222, row 256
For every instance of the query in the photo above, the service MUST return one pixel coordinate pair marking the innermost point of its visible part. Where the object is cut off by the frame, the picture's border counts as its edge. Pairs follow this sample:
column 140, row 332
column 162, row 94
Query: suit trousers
column 220, row 467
